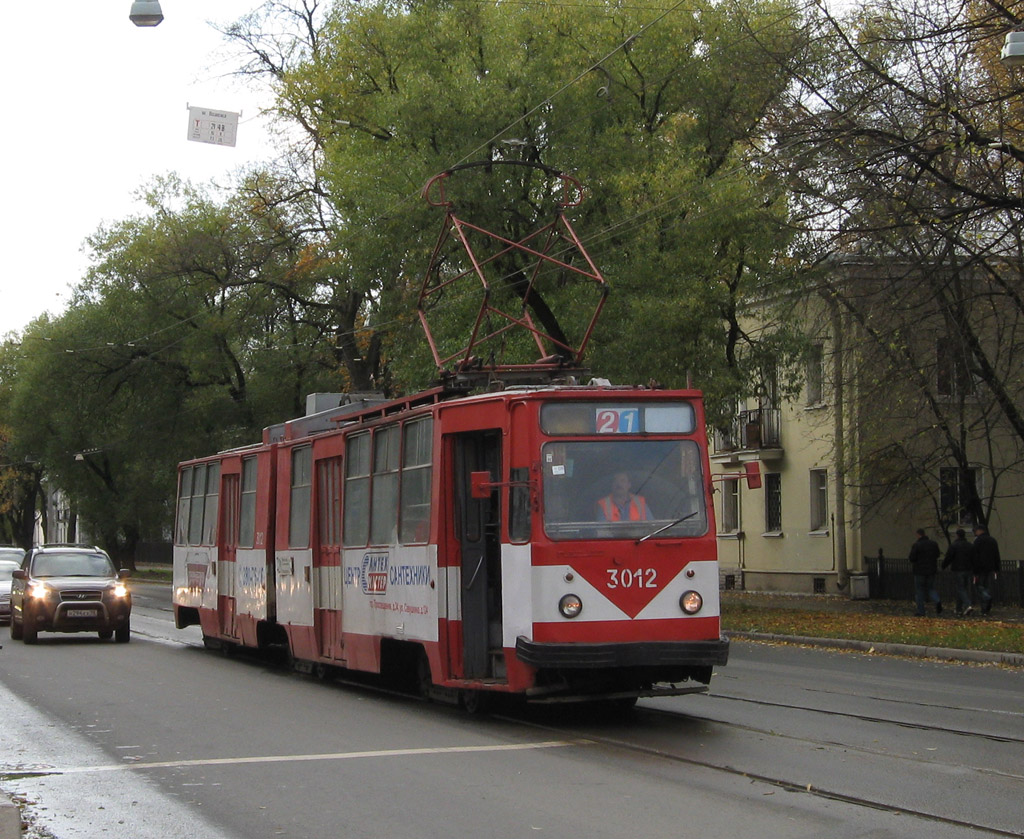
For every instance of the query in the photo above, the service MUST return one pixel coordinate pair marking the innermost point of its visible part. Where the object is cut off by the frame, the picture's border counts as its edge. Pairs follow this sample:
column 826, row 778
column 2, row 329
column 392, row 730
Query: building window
column 957, row 489
column 952, row 376
column 730, row 507
column 819, row 500
column 816, row 375
column 773, row 502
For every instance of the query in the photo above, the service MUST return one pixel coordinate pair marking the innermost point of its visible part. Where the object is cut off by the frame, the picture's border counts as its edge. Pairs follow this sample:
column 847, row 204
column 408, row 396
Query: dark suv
column 70, row 589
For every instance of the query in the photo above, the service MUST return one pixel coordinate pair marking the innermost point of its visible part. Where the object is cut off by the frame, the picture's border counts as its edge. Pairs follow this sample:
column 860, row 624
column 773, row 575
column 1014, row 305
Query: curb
column 10, row 818
column 910, row 650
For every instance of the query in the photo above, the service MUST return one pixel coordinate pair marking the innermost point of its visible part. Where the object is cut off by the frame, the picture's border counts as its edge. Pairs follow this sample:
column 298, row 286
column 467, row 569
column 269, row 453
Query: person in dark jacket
column 924, row 564
column 984, row 565
column 958, row 559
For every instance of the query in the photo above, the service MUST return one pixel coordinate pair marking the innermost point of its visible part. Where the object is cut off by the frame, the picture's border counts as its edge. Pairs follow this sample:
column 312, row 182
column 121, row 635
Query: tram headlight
column 570, row 606
column 691, row 602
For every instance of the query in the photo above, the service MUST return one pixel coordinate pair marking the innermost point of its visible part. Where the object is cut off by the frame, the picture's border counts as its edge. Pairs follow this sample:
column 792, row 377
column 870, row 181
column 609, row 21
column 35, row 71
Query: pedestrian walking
column 985, row 561
column 924, row 564
column 958, row 560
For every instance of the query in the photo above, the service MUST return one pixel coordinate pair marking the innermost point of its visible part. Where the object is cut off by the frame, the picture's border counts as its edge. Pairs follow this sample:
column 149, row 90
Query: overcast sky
column 94, row 107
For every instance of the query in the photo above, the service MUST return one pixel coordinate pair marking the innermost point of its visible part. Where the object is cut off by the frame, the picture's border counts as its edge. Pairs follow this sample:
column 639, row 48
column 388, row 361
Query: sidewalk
column 893, row 608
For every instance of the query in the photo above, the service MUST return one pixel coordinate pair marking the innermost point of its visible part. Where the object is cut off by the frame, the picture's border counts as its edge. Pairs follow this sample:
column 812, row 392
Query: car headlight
column 40, row 591
column 120, row 590
column 570, row 606
column 690, row 602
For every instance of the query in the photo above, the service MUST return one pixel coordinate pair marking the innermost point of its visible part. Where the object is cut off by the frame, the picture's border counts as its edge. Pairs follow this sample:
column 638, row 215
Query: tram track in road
column 776, row 781
column 919, row 726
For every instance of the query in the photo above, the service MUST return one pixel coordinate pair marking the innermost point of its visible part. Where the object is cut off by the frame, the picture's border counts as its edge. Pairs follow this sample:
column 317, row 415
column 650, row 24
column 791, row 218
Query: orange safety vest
column 637, row 508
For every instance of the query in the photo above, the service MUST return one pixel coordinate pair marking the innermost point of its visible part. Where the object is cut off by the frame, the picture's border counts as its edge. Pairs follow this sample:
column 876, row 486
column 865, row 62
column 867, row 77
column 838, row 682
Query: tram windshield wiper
column 667, row 526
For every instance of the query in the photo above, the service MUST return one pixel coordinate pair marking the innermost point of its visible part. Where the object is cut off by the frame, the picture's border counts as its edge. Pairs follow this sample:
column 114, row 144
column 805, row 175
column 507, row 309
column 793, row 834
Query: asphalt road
column 161, row 738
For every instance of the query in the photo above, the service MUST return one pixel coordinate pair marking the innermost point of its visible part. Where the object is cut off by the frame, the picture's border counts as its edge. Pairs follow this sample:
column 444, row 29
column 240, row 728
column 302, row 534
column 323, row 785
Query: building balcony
column 753, row 435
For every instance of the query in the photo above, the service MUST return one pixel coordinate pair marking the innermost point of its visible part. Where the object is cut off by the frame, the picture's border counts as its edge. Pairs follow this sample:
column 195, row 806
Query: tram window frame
column 384, row 485
column 415, row 481
column 184, row 504
column 197, row 502
column 300, row 496
column 247, row 503
column 211, row 504
column 356, row 523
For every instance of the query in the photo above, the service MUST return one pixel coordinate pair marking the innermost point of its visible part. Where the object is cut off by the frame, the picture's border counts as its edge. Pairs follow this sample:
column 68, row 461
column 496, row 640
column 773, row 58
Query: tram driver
column 622, row 504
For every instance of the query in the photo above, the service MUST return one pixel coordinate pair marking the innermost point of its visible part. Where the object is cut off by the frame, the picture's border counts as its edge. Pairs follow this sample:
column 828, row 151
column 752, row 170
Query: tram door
column 226, row 581
column 478, row 528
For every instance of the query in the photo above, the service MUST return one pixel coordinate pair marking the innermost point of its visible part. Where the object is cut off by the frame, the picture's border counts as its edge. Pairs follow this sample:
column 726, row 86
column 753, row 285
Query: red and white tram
column 551, row 541
column 468, row 537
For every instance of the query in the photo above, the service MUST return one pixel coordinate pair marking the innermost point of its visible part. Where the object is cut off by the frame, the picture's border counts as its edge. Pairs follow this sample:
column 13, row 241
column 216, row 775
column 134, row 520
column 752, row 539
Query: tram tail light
column 691, row 602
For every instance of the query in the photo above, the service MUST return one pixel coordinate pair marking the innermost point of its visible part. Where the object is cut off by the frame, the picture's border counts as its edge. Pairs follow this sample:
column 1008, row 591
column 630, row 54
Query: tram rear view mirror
column 753, row 470
column 480, row 485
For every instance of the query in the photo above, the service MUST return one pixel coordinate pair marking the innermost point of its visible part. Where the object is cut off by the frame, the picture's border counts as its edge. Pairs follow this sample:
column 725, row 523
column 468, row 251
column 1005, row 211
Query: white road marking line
column 228, row 761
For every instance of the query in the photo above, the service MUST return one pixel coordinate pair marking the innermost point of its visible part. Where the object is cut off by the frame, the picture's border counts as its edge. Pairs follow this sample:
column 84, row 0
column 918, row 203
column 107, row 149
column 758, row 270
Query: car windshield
column 623, row 489
column 72, row 565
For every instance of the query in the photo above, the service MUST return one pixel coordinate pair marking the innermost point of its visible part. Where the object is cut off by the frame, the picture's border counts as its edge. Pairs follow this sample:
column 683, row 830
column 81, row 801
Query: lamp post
column 1012, row 54
column 146, row 13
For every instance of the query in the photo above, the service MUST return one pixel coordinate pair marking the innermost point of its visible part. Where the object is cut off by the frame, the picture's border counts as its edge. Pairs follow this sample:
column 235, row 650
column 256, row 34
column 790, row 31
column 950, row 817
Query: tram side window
column 196, row 505
column 184, row 501
column 329, row 500
column 357, row 490
column 384, row 486
column 519, row 506
column 247, row 514
column 415, row 506
column 301, row 491
column 210, row 504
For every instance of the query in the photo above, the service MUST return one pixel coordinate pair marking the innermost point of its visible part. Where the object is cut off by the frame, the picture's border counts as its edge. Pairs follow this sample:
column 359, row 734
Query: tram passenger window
column 210, row 504
column 247, row 514
column 196, row 504
column 357, row 490
column 184, row 500
column 415, row 507
column 301, row 491
column 519, row 506
column 384, row 487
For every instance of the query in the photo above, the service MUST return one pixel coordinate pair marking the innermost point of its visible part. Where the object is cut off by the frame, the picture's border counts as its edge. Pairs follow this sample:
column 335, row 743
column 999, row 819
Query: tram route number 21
column 618, row 421
column 629, row 578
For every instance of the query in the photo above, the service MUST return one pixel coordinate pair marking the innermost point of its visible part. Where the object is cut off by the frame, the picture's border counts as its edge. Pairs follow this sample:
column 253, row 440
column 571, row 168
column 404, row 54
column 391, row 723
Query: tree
column 653, row 107
column 902, row 146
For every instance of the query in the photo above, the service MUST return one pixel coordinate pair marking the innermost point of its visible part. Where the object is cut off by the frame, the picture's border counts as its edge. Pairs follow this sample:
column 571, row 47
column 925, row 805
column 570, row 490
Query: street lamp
column 146, row 13
column 1013, row 50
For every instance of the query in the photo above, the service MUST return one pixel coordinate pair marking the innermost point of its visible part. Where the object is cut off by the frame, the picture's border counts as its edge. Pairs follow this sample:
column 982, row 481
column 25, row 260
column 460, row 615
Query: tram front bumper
column 646, row 654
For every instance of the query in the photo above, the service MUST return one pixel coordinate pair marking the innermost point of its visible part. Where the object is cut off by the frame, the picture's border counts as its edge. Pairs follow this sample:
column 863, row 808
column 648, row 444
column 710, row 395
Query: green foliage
column 653, row 111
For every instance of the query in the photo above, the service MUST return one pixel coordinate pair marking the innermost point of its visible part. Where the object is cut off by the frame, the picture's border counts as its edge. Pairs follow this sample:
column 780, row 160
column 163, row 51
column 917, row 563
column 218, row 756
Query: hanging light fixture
column 146, row 13
column 1013, row 50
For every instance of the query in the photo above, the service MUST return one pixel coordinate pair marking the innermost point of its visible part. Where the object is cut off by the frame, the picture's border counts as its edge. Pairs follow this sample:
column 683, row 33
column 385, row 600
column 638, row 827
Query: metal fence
column 890, row 578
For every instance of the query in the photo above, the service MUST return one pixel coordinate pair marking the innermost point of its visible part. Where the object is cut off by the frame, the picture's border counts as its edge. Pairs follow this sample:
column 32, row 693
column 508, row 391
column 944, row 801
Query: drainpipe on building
column 839, row 439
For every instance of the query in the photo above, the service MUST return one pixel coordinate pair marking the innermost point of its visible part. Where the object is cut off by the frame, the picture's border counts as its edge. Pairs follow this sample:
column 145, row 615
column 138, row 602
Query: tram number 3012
column 628, row 578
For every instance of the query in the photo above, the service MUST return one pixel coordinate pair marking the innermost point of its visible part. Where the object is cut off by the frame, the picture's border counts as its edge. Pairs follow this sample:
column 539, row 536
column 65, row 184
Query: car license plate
column 81, row 613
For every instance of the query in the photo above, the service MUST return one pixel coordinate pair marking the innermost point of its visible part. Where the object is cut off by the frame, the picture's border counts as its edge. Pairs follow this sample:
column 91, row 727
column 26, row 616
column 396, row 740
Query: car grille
column 79, row 596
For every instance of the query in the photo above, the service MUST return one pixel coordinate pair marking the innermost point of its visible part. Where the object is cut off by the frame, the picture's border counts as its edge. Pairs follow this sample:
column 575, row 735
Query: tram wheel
column 476, row 701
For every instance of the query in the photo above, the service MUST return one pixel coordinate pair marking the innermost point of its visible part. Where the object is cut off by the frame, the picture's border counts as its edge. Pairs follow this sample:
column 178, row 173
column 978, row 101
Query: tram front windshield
column 623, row 489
